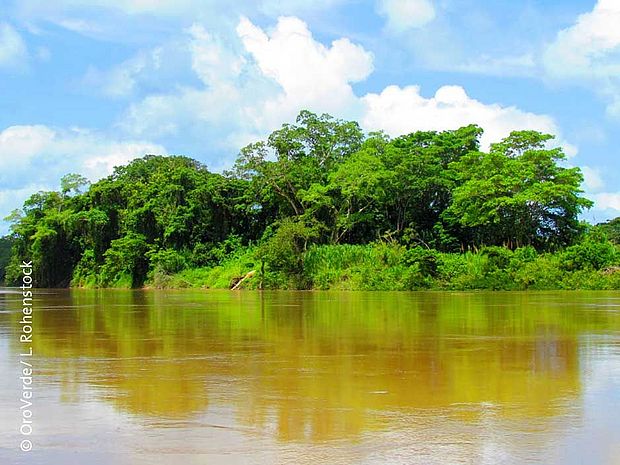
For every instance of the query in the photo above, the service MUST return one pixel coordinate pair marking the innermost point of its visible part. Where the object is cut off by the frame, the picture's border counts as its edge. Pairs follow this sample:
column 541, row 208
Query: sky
column 86, row 85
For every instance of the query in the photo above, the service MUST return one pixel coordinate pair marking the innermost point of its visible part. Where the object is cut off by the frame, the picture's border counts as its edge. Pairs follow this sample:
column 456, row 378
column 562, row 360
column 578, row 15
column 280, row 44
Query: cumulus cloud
column 400, row 110
column 589, row 52
column 607, row 201
column 407, row 14
column 212, row 61
column 309, row 74
column 252, row 89
column 253, row 82
column 592, row 179
column 247, row 86
column 584, row 48
column 13, row 51
column 35, row 157
column 215, row 108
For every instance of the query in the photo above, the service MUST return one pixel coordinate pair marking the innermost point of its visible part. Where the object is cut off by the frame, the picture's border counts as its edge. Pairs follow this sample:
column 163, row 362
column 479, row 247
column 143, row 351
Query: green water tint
column 310, row 367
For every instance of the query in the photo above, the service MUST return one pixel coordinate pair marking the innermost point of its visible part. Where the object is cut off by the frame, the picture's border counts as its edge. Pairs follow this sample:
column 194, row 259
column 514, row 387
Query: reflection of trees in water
column 318, row 365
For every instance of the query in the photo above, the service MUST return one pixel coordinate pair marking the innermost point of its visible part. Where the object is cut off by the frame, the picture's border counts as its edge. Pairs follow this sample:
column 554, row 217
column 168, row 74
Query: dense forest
column 321, row 204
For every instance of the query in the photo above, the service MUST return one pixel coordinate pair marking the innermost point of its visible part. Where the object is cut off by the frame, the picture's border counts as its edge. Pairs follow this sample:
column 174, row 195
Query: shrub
column 166, row 261
column 424, row 260
column 593, row 252
column 85, row 273
column 498, row 258
column 125, row 263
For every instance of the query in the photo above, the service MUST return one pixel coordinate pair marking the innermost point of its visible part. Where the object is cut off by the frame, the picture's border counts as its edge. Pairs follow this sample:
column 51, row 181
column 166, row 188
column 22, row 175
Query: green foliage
column 321, row 204
column 282, row 249
column 72, row 183
column 369, row 267
column 498, row 258
column 593, row 252
column 425, row 260
column 220, row 276
column 6, row 243
column 85, row 273
column 125, row 262
column 517, row 194
column 166, row 260
column 611, row 229
column 209, row 254
column 388, row 266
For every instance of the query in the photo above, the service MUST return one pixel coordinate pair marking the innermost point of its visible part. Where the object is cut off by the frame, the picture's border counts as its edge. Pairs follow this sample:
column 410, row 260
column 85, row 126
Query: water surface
column 196, row 377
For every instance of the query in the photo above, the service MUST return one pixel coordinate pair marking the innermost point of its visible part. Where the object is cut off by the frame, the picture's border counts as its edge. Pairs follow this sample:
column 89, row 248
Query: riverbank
column 386, row 267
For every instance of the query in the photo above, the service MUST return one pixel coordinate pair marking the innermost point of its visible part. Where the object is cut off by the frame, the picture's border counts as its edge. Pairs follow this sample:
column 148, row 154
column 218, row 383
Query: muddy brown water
column 219, row 377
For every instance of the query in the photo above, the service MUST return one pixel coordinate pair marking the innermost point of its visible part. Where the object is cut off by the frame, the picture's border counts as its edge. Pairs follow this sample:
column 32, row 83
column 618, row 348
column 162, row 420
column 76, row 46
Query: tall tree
column 517, row 194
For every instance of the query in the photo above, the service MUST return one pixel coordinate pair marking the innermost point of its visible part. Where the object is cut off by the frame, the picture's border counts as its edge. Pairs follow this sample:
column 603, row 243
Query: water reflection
column 312, row 367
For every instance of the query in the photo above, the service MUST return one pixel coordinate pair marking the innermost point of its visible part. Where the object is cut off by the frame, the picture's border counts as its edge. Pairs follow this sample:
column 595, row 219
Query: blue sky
column 89, row 84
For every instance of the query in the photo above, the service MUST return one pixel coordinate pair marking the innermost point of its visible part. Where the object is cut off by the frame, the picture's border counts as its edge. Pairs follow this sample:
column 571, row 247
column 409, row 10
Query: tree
column 352, row 197
column 282, row 247
column 125, row 261
column 296, row 156
column 422, row 183
column 611, row 229
column 6, row 243
column 517, row 194
column 72, row 183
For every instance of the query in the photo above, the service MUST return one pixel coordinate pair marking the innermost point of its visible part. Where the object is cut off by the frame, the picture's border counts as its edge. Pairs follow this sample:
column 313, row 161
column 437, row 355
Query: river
column 194, row 377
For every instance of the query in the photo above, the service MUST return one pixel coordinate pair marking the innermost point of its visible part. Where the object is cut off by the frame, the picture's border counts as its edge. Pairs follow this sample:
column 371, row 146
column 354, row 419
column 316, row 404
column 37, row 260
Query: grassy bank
column 385, row 266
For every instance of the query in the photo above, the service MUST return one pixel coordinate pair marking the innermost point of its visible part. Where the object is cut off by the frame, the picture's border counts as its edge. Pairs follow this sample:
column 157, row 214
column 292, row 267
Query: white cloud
column 399, row 111
column 407, row 14
column 158, row 115
column 214, row 64
column 592, row 179
column 13, row 51
column 248, row 87
column 144, row 68
column 81, row 26
column 251, row 89
column 607, row 200
column 309, row 74
column 211, row 112
column 18, row 144
column 584, row 48
column 42, row 155
column 589, row 52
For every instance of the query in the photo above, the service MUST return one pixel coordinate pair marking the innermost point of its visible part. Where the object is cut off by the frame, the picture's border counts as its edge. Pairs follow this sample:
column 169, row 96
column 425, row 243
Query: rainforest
column 320, row 204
